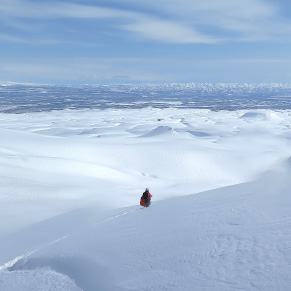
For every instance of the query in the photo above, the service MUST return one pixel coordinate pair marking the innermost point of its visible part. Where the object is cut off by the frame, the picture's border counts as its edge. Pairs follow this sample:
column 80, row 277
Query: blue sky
column 132, row 41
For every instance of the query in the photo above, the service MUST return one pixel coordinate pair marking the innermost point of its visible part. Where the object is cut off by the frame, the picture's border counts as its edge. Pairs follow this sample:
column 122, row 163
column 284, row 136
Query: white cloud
column 47, row 10
column 168, row 31
column 144, row 25
column 173, row 21
column 240, row 19
column 236, row 8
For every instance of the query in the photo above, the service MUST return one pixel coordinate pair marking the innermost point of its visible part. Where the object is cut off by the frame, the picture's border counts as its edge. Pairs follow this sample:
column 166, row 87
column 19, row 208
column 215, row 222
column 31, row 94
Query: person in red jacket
column 146, row 196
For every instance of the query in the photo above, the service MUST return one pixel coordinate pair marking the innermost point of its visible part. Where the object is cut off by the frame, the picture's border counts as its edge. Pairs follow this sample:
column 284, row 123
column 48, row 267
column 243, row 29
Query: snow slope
column 232, row 238
column 70, row 183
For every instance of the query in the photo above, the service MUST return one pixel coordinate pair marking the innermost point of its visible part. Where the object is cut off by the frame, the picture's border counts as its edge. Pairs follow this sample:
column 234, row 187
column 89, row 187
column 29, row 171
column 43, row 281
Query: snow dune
column 160, row 130
column 70, row 184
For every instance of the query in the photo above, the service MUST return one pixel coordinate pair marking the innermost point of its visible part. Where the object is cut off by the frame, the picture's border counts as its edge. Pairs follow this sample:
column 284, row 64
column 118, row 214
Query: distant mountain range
column 21, row 97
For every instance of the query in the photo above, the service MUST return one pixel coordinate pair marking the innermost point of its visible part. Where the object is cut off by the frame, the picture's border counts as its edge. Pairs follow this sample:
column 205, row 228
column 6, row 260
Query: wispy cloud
column 174, row 21
column 142, row 24
column 118, row 29
column 10, row 38
column 236, row 20
column 240, row 15
column 56, row 9
column 7, row 38
column 168, row 31
column 265, row 61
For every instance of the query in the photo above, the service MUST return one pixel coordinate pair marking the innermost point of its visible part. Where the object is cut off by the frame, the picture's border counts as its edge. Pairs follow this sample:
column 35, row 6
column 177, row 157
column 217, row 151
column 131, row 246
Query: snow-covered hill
column 237, row 237
column 70, row 187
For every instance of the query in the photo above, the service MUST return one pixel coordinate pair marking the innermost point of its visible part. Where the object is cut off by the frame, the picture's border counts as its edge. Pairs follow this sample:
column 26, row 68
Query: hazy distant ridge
column 23, row 98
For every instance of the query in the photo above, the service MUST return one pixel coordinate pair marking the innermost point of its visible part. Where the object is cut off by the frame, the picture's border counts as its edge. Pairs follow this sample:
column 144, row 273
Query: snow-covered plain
column 70, row 183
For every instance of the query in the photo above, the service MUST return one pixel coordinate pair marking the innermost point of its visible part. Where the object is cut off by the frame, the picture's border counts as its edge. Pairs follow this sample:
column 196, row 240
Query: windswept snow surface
column 70, row 183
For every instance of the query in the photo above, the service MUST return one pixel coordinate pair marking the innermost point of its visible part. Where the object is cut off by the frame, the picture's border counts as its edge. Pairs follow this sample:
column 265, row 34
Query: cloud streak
column 45, row 40
column 243, row 20
column 172, row 21
column 168, row 31
column 143, row 25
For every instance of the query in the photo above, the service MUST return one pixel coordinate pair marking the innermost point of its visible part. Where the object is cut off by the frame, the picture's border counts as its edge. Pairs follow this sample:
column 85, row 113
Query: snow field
column 66, row 176
column 236, row 237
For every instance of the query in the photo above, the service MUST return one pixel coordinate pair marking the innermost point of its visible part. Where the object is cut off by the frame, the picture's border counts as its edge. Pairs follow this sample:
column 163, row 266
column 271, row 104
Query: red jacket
column 149, row 195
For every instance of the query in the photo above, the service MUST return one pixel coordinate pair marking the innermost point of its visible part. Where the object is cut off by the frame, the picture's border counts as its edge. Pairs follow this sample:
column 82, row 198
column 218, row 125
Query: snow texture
column 70, row 183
